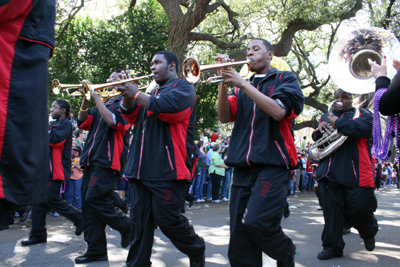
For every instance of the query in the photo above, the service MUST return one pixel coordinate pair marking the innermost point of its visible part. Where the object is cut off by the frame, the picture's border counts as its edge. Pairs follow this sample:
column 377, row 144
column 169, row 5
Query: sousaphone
column 350, row 70
column 348, row 62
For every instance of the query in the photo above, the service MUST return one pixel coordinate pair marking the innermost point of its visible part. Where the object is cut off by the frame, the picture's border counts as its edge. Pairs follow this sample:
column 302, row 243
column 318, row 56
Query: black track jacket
column 162, row 146
column 104, row 144
column 60, row 134
column 257, row 139
column 351, row 164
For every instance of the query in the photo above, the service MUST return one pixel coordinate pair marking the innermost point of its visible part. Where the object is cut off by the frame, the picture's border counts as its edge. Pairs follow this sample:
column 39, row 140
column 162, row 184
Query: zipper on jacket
column 282, row 154
column 329, row 166
column 251, row 134
column 354, row 169
column 109, row 150
column 94, row 139
column 141, row 150
column 169, row 158
column 252, row 122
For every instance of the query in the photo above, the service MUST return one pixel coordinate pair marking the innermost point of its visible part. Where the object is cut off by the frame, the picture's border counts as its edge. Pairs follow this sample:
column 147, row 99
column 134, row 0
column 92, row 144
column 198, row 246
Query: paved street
column 211, row 221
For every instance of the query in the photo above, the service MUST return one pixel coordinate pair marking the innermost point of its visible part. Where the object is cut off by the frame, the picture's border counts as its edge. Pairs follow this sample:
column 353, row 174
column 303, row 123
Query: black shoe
column 329, row 253
column 33, row 241
column 346, row 231
column 4, row 227
column 198, row 261
column 286, row 213
column 369, row 244
column 190, row 198
column 25, row 216
column 289, row 262
column 126, row 238
column 89, row 258
column 78, row 228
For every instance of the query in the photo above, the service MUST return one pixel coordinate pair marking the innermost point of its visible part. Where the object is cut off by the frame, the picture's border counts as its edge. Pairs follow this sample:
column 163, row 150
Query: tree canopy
column 302, row 32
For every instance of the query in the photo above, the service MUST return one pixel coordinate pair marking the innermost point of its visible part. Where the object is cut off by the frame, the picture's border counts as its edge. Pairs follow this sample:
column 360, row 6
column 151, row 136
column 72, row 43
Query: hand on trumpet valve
column 128, row 90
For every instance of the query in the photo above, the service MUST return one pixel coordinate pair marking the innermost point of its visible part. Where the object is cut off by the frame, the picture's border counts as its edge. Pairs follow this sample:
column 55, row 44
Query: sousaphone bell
column 348, row 62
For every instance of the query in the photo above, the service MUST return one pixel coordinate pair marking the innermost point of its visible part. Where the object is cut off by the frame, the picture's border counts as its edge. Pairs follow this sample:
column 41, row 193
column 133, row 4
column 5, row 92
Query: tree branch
column 282, row 48
column 310, row 123
column 131, row 5
column 197, row 36
column 65, row 24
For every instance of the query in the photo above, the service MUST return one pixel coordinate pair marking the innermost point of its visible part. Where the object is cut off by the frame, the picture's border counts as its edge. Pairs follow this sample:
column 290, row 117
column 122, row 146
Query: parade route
column 211, row 221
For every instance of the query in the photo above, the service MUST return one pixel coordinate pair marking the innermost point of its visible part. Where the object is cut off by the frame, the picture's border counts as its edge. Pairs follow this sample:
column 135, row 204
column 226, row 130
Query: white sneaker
column 209, row 199
column 200, row 200
column 224, row 199
column 216, row 201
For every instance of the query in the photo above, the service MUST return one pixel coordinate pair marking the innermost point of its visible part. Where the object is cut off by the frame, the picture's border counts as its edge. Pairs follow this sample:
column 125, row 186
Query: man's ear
column 270, row 55
column 63, row 110
column 172, row 65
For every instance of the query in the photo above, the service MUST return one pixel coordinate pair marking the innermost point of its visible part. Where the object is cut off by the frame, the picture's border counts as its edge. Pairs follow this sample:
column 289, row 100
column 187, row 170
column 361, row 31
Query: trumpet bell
column 55, row 85
column 191, row 70
column 348, row 62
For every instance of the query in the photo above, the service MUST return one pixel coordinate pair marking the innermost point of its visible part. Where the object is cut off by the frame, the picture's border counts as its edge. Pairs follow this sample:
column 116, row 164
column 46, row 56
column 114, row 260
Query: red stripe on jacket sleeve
column 233, row 106
column 285, row 126
column 178, row 134
column 87, row 123
column 366, row 176
column 133, row 117
column 173, row 118
column 12, row 18
column 58, row 169
column 118, row 147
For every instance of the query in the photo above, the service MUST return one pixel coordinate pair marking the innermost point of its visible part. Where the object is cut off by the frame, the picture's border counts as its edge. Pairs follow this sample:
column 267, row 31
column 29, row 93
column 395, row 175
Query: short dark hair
column 78, row 148
column 170, row 57
column 200, row 143
column 267, row 44
column 341, row 90
column 64, row 104
column 78, row 132
column 117, row 70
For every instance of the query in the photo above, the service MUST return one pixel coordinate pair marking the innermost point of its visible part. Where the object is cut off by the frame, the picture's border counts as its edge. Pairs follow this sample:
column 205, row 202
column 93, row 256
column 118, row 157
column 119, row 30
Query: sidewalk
column 211, row 221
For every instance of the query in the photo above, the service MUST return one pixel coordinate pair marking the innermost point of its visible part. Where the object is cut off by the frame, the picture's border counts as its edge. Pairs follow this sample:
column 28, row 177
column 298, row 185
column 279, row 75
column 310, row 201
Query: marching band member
column 60, row 134
column 346, row 178
column 263, row 111
column 159, row 163
column 101, row 163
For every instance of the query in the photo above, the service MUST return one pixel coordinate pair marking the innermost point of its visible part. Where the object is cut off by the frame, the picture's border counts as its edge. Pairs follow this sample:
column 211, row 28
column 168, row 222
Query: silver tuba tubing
column 330, row 141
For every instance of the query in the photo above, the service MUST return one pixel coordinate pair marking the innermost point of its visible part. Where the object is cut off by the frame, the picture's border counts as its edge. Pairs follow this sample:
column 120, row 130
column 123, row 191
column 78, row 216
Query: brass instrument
column 350, row 70
column 331, row 139
column 58, row 87
column 192, row 70
column 88, row 88
column 348, row 62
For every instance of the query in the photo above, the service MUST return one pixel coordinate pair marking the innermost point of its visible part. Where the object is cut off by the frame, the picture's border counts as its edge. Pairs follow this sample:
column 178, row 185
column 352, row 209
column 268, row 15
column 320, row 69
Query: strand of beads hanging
column 380, row 148
column 397, row 130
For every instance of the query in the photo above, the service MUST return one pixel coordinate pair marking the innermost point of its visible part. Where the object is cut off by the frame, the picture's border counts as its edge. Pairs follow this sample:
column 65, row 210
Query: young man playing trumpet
column 159, row 164
column 263, row 110
column 346, row 177
column 100, row 161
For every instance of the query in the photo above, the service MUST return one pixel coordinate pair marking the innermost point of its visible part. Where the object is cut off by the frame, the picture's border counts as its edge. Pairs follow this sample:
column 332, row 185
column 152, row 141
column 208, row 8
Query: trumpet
column 192, row 70
column 57, row 87
column 88, row 88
